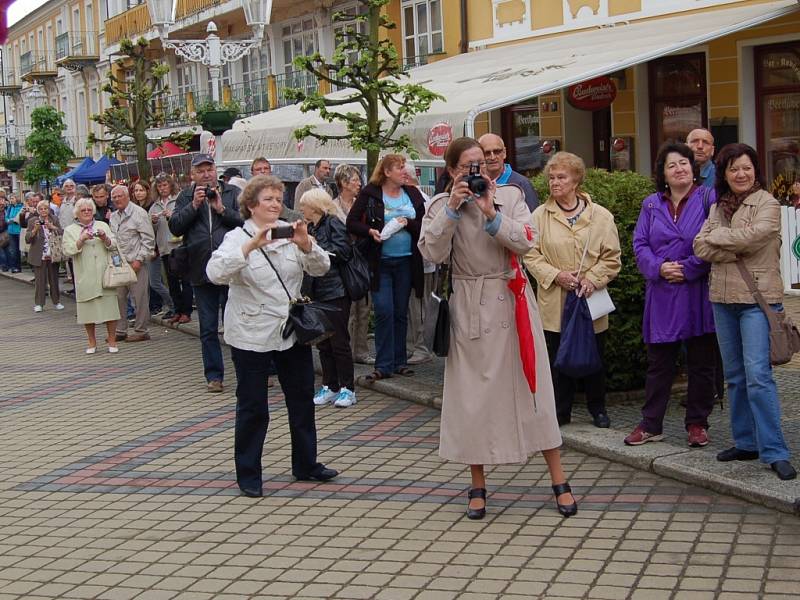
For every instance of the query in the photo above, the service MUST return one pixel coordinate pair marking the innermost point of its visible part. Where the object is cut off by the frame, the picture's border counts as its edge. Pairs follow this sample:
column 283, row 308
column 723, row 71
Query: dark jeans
column 179, row 290
column 210, row 299
column 594, row 385
column 12, row 252
column 296, row 376
column 661, row 368
column 335, row 355
column 391, row 314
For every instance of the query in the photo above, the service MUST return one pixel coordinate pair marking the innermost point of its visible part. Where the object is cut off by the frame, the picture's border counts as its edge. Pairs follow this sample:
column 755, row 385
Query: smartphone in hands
column 282, row 232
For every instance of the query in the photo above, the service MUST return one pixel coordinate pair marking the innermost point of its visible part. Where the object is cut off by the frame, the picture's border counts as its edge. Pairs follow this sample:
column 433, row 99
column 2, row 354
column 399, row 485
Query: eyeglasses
column 465, row 167
column 494, row 152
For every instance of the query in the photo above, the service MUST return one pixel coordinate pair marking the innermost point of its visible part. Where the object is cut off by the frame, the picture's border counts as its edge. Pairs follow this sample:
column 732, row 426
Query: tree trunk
column 372, row 95
column 139, row 122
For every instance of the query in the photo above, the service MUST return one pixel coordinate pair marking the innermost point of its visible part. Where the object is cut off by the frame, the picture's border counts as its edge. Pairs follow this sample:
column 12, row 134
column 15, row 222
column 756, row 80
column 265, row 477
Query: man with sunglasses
column 501, row 172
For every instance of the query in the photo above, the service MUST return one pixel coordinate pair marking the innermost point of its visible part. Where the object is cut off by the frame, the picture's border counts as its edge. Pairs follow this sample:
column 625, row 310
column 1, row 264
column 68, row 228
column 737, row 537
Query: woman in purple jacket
column 676, row 308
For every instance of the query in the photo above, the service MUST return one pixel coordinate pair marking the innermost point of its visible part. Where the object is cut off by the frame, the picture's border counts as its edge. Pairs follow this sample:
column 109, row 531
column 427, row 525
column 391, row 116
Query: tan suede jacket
column 754, row 234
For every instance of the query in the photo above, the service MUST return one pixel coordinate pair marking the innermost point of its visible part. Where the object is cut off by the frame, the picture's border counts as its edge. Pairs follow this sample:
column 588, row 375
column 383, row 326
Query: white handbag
column 599, row 303
column 118, row 272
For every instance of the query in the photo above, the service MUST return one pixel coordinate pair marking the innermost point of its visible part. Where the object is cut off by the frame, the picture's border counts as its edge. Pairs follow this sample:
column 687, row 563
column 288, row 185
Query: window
column 422, row 29
column 186, row 76
column 678, row 98
column 778, row 88
column 341, row 27
column 299, row 39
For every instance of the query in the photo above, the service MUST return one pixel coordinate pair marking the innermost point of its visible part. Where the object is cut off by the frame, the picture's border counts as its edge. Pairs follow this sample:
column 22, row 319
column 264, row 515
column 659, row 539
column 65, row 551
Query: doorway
column 601, row 135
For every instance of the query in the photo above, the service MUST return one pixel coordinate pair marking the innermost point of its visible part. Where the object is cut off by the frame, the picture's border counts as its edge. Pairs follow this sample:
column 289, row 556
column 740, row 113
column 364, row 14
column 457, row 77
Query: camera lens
column 477, row 185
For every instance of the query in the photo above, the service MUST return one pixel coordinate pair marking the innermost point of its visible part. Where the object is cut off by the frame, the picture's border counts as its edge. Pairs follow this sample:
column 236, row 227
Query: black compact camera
column 475, row 181
column 211, row 194
column 41, row 221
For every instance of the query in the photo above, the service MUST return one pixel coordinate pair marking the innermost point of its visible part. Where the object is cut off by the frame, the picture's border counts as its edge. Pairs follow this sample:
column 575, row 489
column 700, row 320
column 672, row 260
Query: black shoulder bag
column 307, row 319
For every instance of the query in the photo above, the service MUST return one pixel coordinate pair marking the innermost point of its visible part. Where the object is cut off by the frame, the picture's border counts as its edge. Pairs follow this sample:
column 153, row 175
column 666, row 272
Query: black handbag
column 178, row 260
column 355, row 275
column 437, row 314
column 307, row 320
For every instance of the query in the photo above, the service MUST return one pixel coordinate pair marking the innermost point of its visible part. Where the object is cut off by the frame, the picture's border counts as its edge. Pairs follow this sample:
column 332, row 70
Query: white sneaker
column 59, row 306
column 324, row 395
column 38, row 308
column 344, row 398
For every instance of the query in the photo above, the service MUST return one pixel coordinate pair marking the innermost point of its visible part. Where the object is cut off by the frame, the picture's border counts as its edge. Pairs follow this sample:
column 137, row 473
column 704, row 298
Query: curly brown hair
column 249, row 196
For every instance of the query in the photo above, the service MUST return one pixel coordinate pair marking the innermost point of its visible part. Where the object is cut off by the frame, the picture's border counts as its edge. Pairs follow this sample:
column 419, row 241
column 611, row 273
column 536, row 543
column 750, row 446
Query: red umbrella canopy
column 4, row 4
column 165, row 149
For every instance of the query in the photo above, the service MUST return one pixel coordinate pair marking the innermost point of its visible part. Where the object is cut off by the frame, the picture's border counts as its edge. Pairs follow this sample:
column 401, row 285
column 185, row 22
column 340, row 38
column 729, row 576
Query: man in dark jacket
column 204, row 213
column 494, row 149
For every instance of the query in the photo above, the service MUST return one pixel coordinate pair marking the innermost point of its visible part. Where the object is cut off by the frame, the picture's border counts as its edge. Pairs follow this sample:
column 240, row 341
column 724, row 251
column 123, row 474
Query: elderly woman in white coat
column 249, row 261
column 490, row 415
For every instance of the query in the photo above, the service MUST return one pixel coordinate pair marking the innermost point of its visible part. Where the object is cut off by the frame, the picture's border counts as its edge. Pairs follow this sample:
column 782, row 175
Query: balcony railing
column 129, row 24
column 253, row 97
column 34, row 66
column 77, row 45
column 187, row 8
column 9, row 83
column 294, row 79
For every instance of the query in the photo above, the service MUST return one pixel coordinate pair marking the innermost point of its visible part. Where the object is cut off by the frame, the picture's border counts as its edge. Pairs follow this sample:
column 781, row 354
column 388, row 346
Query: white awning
column 485, row 80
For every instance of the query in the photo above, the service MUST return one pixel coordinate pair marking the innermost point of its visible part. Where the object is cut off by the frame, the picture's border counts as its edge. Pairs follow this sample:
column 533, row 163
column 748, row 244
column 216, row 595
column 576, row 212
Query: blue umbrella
column 85, row 164
column 97, row 172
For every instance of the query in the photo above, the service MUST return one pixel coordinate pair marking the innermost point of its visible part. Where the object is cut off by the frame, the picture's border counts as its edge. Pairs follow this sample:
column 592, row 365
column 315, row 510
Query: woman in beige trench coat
column 489, row 414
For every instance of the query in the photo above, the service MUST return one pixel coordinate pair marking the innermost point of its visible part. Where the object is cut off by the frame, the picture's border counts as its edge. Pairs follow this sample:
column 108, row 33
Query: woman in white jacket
column 255, row 314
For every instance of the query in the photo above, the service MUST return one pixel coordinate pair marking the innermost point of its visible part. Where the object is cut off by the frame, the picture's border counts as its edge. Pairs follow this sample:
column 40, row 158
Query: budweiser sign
column 439, row 137
column 594, row 94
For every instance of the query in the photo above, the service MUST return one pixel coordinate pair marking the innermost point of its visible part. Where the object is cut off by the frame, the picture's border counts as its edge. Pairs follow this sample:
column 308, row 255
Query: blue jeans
column 743, row 334
column 12, row 252
column 210, row 299
column 391, row 314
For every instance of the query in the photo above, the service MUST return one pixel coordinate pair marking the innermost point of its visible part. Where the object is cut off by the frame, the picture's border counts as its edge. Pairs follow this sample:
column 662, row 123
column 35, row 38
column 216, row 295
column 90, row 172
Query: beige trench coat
column 559, row 247
column 489, row 415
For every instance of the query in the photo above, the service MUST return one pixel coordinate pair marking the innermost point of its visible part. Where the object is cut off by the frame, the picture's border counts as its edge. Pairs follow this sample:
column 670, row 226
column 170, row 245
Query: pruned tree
column 136, row 105
column 370, row 68
column 45, row 144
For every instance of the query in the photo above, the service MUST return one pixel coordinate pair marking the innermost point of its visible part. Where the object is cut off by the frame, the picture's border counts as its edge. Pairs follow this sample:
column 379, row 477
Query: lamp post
column 212, row 51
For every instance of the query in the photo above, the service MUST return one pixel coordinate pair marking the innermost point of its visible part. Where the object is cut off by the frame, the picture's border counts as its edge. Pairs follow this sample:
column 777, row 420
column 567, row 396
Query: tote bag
column 118, row 272
column 577, row 355
column 355, row 275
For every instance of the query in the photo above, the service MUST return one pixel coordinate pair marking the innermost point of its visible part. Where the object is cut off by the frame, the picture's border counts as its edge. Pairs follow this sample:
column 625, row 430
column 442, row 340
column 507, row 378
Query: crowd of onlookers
column 249, row 249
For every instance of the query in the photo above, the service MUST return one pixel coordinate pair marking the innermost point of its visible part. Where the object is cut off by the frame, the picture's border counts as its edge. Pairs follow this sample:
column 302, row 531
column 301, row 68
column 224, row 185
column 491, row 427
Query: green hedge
column 621, row 193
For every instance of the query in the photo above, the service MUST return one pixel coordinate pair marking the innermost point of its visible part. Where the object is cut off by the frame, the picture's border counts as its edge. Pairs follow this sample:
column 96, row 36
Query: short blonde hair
column 319, row 201
column 42, row 203
column 248, row 199
column 569, row 162
column 85, row 202
column 389, row 161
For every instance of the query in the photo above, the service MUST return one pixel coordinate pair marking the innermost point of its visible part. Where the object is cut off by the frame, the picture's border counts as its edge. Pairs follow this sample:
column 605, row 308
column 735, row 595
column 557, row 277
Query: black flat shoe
column 321, row 474
column 476, row 513
column 784, row 469
column 566, row 510
column 601, row 420
column 736, row 454
column 252, row 492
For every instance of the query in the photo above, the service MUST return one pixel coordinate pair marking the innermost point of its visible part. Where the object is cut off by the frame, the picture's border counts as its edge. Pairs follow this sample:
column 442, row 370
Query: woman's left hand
column 586, row 288
column 301, row 237
column 486, row 201
column 403, row 221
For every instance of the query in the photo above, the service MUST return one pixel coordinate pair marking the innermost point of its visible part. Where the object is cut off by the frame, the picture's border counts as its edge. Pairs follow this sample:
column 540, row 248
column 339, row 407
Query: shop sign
column 796, row 247
column 594, row 94
column 439, row 137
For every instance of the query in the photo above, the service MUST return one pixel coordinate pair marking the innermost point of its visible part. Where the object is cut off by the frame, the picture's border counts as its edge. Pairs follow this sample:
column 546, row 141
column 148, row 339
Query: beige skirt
column 99, row 310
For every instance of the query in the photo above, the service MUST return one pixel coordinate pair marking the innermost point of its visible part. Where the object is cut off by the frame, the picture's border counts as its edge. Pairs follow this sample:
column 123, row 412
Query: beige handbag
column 118, row 272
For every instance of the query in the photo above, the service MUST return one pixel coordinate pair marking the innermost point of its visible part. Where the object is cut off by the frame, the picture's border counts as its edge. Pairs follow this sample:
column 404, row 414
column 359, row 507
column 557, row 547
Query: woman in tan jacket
column 566, row 223
column 745, row 224
column 43, row 234
column 490, row 415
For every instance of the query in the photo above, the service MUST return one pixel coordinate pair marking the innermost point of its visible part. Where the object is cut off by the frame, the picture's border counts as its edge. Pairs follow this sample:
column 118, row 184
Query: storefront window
column 678, row 101
column 522, row 135
column 778, row 78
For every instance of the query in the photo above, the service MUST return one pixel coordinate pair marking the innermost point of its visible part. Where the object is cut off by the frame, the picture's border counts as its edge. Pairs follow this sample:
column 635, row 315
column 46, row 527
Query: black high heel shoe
column 476, row 513
column 566, row 510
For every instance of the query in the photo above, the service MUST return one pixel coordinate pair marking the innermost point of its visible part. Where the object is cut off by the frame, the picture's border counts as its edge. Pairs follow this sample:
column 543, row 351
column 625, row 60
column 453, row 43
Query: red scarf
column 527, row 351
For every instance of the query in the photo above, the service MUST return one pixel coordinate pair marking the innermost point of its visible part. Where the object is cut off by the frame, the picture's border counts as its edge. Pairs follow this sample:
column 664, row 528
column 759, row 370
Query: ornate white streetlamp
column 212, row 51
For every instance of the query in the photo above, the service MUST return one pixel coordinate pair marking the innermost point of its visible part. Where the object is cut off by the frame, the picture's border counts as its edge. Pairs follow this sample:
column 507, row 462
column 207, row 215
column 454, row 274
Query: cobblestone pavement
column 116, row 482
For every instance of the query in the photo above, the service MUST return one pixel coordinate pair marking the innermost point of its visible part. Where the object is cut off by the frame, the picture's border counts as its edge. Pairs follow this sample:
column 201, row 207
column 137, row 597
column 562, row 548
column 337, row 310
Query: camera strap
column 278, row 275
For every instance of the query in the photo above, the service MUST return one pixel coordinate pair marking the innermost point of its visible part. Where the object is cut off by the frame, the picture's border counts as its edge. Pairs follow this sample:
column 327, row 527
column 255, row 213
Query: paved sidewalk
column 672, row 458
column 116, row 482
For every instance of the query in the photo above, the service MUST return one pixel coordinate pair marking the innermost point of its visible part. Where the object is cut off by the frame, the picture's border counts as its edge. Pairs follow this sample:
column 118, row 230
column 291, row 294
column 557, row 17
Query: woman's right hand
column 375, row 235
column 85, row 236
column 459, row 194
column 672, row 271
column 568, row 281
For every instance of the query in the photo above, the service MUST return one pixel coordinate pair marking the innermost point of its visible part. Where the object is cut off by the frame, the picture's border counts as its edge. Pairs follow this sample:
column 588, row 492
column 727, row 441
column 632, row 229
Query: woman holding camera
column 252, row 262
column 394, row 259
column 498, row 405
column 43, row 235
column 89, row 242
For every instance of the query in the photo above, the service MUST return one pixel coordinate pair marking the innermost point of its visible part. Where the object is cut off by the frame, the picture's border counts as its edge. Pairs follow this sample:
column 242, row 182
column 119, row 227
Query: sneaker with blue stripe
column 324, row 395
column 345, row 398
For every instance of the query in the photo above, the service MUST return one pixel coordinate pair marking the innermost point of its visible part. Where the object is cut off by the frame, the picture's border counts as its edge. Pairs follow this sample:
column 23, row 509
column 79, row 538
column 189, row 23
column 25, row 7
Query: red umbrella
column 166, row 149
column 527, row 351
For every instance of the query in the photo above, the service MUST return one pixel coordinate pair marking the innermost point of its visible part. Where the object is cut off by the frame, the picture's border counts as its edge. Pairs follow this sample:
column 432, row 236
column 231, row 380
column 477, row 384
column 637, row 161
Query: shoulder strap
column 751, row 285
column 588, row 239
column 707, row 200
column 285, row 289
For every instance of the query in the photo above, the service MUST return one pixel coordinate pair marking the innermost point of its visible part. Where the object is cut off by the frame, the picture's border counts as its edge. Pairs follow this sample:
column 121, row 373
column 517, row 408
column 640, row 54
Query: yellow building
column 50, row 57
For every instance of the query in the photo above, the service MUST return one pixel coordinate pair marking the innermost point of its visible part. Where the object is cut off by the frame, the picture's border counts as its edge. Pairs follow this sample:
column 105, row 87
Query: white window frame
column 361, row 27
column 185, row 76
column 429, row 33
column 302, row 35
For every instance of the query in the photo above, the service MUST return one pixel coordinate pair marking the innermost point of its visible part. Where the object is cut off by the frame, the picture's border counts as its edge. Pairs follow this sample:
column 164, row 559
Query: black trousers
column 335, row 354
column 594, row 385
column 296, row 376
column 179, row 290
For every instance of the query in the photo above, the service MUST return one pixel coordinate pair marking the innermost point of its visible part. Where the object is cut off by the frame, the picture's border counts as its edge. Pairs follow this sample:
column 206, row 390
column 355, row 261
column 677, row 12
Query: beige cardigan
column 559, row 247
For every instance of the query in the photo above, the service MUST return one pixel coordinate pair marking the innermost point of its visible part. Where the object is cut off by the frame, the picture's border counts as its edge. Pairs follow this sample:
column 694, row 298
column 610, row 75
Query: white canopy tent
column 486, row 80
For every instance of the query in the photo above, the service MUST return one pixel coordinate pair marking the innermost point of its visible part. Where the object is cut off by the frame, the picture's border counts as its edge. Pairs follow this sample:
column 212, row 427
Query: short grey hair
column 66, row 181
column 124, row 188
column 411, row 170
column 80, row 204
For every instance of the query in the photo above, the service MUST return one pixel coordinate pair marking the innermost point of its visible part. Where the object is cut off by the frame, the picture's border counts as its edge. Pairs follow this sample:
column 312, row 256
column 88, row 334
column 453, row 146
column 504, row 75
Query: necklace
column 569, row 210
